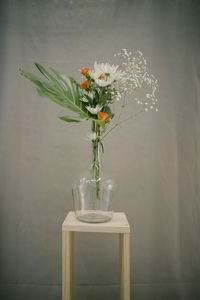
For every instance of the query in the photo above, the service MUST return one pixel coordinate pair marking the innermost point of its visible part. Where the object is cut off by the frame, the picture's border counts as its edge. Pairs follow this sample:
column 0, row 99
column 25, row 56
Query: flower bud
column 103, row 116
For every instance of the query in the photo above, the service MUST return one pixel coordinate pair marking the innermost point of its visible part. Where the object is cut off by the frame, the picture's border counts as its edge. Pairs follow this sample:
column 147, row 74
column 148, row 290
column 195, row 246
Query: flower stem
column 95, row 168
column 119, row 123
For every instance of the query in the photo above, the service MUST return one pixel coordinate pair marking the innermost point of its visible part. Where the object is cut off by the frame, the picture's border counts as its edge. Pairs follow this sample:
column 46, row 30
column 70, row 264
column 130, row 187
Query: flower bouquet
column 94, row 100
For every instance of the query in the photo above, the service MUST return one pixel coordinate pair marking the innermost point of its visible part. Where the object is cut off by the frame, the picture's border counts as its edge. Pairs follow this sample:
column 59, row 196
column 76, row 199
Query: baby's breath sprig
column 136, row 76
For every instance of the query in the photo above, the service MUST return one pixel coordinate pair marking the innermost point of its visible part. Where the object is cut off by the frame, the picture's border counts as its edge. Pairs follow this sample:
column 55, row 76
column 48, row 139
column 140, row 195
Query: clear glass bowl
column 93, row 199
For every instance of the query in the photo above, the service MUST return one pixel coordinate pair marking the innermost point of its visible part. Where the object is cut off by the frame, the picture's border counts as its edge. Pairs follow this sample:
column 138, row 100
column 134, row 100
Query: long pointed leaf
column 73, row 86
column 48, row 75
column 71, row 119
column 65, row 81
column 38, row 81
column 68, row 98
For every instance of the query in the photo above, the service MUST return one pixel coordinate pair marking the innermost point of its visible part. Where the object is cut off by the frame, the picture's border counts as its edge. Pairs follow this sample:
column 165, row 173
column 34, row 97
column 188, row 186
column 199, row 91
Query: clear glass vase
column 92, row 206
column 93, row 195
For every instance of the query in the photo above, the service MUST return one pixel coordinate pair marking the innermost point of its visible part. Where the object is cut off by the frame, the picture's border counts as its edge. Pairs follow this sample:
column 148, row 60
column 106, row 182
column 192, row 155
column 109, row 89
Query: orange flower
column 85, row 85
column 103, row 116
column 86, row 71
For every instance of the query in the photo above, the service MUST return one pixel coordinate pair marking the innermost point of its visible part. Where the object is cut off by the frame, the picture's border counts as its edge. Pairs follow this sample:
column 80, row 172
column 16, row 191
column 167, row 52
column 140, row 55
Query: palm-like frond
column 63, row 90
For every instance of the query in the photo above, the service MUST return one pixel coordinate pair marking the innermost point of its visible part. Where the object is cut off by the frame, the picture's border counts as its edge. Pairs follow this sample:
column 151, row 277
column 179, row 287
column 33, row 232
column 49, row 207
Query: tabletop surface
column 118, row 224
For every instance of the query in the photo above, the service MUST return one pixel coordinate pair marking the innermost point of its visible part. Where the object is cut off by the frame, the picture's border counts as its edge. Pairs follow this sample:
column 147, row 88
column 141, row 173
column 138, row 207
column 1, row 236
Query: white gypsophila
column 94, row 110
column 105, row 74
column 137, row 76
column 92, row 136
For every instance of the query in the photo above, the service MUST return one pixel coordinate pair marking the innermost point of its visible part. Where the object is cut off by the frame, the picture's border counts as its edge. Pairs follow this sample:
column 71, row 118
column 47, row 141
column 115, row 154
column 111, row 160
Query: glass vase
column 93, row 194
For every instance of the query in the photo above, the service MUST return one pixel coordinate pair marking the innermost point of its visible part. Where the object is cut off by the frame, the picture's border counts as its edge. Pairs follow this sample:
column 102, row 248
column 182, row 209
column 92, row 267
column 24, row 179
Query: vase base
column 93, row 218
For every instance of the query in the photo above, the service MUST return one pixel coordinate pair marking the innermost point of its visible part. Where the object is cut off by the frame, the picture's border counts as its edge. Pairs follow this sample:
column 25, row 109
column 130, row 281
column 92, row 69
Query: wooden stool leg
column 125, row 265
column 67, row 265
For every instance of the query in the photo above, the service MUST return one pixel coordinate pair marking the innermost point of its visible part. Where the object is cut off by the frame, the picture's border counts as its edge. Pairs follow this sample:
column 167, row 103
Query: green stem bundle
column 95, row 168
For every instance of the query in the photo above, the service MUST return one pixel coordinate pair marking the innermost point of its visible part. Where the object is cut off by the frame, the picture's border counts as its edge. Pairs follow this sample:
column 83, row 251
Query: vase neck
column 95, row 167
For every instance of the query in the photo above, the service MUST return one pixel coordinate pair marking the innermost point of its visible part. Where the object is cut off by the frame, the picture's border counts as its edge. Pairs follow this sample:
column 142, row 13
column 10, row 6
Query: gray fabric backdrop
column 155, row 159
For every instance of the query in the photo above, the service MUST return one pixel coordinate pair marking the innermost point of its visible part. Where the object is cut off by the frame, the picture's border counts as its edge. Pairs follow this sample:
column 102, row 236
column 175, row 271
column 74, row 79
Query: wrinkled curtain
column 155, row 158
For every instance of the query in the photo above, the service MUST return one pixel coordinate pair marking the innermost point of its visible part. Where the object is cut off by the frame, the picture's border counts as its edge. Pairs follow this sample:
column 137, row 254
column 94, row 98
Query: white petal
column 84, row 99
column 94, row 110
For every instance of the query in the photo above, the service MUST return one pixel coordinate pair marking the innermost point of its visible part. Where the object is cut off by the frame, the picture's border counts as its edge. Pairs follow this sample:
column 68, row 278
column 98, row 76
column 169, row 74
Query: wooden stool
column 118, row 224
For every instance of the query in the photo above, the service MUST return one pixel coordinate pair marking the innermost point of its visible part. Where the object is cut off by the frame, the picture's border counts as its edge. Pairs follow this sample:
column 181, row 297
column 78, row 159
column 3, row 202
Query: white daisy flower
column 94, row 110
column 105, row 74
column 84, row 94
column 92, row 136
column 91, row 94
column 84, row 99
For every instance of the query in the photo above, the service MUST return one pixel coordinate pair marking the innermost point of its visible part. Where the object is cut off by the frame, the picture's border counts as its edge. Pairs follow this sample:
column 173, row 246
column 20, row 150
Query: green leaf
column 40, row 82
column 99, row 122
column 67, row 83
column 48, row 75
column 40, row 93
column 61, row 91
column 47, row 89
column 102, row 147
column 71, row 119
column 73, row 87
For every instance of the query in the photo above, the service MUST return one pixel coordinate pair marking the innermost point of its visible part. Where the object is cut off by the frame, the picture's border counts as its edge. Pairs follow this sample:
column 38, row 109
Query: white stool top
column 118, row 224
